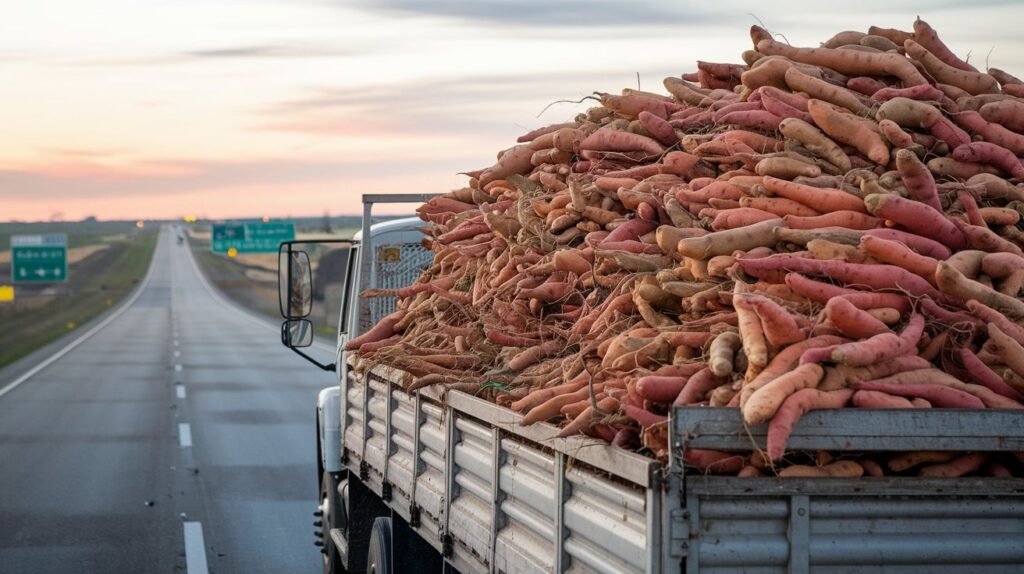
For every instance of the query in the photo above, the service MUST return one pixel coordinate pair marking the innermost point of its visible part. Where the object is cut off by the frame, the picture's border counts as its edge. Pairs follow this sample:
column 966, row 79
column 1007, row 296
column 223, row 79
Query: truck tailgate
column 892, row 524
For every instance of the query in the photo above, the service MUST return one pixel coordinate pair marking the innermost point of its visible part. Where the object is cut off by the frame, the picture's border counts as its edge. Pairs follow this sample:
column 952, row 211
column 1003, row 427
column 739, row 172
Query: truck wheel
column 330, row 514
column 378, row 557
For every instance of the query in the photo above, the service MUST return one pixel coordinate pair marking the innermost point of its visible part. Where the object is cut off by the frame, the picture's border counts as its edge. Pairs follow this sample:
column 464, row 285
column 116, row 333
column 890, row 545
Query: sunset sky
column 225, row 108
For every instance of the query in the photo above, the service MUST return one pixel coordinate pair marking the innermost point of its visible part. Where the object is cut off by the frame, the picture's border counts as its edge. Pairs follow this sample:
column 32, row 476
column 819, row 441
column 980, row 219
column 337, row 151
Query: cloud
column 450, row 105
column 547, row 13
column 293, row 51
column 617, row 18
column 268, row 51
column 16, row 56
column 78, row 153
column 78, row 180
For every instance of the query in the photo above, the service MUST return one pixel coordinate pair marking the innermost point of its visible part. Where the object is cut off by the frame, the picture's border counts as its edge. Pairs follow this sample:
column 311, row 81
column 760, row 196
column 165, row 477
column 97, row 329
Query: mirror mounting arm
column 328, row 367
column 287, row 343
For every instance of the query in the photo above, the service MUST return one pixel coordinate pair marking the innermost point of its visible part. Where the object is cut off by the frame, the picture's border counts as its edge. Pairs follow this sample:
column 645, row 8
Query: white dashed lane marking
column 195, row 549
column 185, row 435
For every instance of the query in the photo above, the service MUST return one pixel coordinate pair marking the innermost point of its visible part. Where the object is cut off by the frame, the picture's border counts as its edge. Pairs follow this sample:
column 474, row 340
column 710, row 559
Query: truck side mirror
column 297, row 333
column 296, row 292
column 295, row 283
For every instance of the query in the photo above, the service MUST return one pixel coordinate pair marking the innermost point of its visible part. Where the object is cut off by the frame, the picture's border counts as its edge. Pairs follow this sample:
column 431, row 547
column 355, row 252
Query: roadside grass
column 40, row 315
column 248, row 282
column 229, row 275
column 80, row 233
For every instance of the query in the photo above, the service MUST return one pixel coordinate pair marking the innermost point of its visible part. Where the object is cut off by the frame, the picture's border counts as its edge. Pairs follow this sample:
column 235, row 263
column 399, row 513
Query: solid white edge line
column 71, row 346
column 184, row 435
column 241, row 310
column 195, row 549
column 217, row 295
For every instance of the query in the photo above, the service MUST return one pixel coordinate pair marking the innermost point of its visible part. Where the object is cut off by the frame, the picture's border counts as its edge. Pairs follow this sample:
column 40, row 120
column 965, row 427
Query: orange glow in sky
column 126, row 109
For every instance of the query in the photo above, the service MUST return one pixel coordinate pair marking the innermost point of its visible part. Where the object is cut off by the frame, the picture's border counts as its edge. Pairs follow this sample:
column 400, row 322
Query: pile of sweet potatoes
column 814, row 228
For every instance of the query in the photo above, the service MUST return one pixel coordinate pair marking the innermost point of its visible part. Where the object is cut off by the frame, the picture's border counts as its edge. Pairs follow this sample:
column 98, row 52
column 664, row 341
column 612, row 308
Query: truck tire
column 330, row 515
column 378, row 556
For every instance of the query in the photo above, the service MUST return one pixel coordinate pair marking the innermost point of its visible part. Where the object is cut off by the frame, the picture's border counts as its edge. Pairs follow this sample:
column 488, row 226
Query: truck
column 437, row 481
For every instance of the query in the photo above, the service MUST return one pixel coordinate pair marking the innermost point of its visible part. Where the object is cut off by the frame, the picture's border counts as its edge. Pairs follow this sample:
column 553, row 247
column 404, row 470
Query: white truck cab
column 385, row 255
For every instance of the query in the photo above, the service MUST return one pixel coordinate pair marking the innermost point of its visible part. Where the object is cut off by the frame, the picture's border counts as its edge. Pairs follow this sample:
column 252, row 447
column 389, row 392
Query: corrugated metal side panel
column 401, row 465
column 911, row 534
column 377, row 432
column 527, row 484
column 606, row 525
column 430, row 482
column 469, row 523
column 354, row 425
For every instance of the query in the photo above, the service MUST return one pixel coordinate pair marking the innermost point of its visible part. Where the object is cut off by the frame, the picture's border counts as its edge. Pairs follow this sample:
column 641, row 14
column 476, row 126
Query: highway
column 178, row 437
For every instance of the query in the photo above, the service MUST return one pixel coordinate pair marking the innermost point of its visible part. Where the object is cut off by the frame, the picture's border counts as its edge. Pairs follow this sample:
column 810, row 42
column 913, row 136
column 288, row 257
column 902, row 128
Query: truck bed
column 493, row 496
column 491, row 493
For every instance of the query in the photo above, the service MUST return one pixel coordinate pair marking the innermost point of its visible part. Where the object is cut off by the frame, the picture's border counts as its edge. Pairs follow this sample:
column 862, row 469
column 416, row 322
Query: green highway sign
column 39, row 258
column 261, row 237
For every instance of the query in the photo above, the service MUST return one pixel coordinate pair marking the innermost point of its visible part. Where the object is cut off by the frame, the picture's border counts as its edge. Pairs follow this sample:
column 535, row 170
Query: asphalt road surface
column 178, row 437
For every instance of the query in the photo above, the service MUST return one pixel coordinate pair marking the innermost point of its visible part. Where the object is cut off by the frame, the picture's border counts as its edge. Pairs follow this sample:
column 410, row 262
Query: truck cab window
column 350, row 285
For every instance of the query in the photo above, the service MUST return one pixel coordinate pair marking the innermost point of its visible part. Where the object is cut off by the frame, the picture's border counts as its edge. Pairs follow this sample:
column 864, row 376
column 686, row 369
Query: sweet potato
column 992, row 154
column 917, row 218
column 983, row 375
column 907, row 461
column 722, row 353
column 819, row 199
column 874, row 349
column 839, row 469
column 1011, row 351
column 970, row 81
column 839, row 218
column 991, row 132
column 785, row 361
column 794, row 407
column 929, row 39
column 918, row 179
column 897, row 253
column 871, row 275
column 959, row 466
column 936, row 377
column 1007, row 113
column 751, row 332
column 725, row 242
column 851, row 321
column 588, row 416
column 953, row 283
column 815, row 141
column 765, row 401
column 713, row 461
column 819, row 89
column 698, row 386
column 939, row 395
column 852, row 132
column 856, row 63
column 865, row 399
